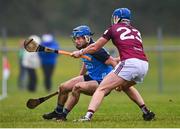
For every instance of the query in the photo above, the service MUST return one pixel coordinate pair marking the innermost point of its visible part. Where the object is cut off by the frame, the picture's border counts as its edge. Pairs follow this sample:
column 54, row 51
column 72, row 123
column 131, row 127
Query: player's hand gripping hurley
column 31, row 46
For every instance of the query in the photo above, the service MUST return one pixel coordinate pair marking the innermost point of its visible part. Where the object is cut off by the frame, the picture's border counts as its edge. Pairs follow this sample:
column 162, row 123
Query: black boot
column 149, row 116
column 54, row 115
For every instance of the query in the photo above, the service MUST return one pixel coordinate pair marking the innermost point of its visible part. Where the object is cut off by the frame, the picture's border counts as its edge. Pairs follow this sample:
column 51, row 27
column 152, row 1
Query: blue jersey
column 96, row 68
column 49, row 58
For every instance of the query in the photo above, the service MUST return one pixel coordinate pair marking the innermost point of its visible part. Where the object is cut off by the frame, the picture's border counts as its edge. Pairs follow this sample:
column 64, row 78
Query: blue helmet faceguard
column 82, row 31
column 119, row 14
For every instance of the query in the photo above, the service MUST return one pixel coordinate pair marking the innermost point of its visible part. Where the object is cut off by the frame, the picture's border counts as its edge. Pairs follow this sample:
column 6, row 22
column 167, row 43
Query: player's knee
column 62, row 88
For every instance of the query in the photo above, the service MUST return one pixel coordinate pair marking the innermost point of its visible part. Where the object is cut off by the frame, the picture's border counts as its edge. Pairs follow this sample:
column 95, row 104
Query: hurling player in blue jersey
column 91, row 74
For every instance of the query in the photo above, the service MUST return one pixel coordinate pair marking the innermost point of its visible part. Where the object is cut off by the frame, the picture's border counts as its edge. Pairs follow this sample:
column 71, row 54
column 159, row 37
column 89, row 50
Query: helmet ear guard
column 87, row 38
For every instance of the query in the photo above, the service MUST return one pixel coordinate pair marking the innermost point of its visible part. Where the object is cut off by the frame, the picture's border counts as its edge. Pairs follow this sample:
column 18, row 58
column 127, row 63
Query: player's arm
column 83, row 69
column 95, row 46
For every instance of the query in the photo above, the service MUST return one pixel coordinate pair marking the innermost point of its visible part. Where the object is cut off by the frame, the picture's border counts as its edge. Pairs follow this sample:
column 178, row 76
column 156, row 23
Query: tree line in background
column 23, row 17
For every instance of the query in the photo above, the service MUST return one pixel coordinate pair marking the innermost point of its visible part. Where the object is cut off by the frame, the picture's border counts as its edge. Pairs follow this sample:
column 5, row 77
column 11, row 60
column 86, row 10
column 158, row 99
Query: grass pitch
column 117, row 111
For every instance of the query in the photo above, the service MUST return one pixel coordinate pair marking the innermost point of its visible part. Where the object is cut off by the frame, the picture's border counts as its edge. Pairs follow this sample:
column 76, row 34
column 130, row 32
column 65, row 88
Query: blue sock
column 65, row 112
column 59, row 108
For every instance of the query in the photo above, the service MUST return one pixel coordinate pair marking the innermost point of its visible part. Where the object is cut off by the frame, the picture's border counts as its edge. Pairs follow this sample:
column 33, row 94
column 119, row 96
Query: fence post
column 4, row 58
column 160, row 59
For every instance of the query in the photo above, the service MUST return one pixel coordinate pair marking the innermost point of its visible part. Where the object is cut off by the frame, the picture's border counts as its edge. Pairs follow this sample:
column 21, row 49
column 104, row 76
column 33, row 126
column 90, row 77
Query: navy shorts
column 88, row 78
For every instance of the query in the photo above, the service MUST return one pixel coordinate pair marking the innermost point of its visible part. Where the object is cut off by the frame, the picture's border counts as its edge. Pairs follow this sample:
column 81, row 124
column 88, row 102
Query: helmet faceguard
column 119, row 14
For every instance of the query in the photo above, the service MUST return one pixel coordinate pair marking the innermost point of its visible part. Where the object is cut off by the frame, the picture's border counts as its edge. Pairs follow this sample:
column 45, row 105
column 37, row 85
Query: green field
column 117, row 111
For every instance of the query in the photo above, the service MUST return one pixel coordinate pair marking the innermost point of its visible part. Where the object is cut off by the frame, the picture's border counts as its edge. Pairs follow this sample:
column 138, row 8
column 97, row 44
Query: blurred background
column 158, row 22
column 38, row 16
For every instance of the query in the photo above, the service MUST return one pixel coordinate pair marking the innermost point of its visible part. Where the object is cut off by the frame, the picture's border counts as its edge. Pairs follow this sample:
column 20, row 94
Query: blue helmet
column 119, row 14
column 82, row 30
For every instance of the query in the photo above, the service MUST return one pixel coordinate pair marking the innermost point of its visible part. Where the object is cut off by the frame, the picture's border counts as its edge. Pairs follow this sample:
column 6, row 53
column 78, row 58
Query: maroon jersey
column 127, row 39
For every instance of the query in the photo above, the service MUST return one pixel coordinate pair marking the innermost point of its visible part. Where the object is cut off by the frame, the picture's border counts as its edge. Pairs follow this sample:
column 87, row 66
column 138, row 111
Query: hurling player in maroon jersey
column 130, row 71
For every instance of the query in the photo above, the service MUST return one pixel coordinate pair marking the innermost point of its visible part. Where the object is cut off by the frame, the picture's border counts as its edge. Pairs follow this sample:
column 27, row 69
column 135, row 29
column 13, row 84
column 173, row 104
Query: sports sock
column 89, row 114
column 65, row 112
column 59, row 108
column 144, row 109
